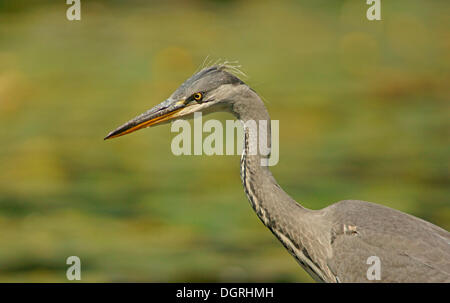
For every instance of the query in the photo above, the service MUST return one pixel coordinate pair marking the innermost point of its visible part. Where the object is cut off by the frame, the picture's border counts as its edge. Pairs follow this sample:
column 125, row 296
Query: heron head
column 209, row 90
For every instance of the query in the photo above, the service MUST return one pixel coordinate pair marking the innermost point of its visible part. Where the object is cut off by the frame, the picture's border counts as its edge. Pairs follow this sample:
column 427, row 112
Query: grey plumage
column 332, row 244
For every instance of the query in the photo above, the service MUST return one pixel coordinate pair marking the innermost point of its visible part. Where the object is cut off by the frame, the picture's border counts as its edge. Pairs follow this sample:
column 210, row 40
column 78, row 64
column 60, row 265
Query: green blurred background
column 363, row 109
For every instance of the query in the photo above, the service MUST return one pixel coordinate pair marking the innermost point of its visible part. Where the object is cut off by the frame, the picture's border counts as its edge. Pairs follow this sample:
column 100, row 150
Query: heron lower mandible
column 333, row 244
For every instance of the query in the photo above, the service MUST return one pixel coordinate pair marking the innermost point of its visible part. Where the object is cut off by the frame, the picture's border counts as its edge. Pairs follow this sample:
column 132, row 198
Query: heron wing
column 409, row 249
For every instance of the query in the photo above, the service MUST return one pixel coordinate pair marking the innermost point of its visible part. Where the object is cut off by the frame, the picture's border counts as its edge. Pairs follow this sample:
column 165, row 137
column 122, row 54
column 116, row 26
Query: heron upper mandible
column 333, row 244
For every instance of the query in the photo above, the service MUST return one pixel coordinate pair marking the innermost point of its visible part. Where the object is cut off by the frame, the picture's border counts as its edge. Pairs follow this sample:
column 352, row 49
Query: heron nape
column 332, row 244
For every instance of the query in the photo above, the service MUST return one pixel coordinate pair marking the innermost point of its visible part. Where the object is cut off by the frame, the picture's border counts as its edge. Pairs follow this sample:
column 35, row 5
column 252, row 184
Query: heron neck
column 266, row 197
column 274, row 207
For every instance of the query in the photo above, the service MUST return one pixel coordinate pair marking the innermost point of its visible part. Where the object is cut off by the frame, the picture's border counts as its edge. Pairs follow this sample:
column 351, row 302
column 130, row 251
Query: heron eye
column 198, row 96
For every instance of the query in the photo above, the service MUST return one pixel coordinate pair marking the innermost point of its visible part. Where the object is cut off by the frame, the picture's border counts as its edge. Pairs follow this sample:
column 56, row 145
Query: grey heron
column 332, row 244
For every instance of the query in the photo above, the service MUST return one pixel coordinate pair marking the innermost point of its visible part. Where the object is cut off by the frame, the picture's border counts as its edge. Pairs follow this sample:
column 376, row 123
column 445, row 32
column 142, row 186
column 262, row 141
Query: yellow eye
column 198, row 96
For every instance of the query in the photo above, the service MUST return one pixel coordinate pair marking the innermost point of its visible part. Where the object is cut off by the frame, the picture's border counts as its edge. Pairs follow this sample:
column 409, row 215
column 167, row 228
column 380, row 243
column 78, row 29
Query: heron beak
column 165, row 111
